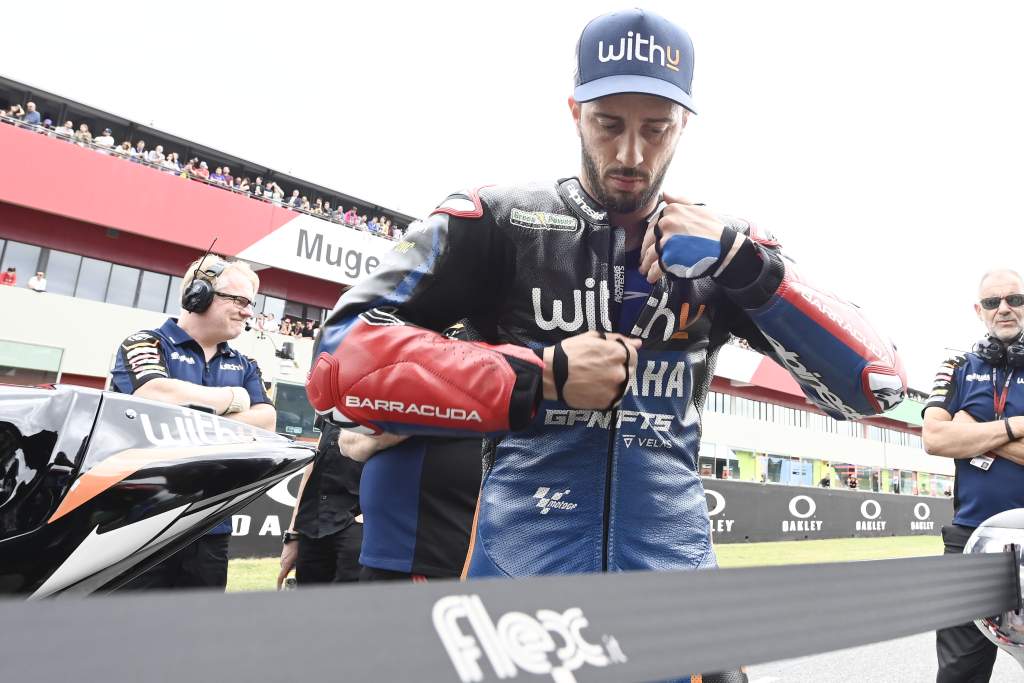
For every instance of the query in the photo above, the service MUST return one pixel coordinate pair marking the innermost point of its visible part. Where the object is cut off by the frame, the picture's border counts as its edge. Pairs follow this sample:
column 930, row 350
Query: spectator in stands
column 9, row 278
column 106, row 140
column 295, row 201
column 139, row 152
column 328, row 211
column 270, row 323
column 65, row 131
column 123, row 150
column 48, row 126
column 203, row 171
column 170, row 163
column 15, row 112
column 277, row 193
column 305, row 204
column 307, row 330
column 228, row 178
column 83, row 136
column 351, row 216
column 318, row 209
column 243, row 185
column 37, row 283
column 31, row 116
column 852, row 481
column 217, row 176
column 156, row 156
column 257, row 189
column 286, row 327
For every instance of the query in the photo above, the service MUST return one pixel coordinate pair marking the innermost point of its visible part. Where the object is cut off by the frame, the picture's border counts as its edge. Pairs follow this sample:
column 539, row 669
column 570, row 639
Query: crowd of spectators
column 287, row 327
column 196, row 169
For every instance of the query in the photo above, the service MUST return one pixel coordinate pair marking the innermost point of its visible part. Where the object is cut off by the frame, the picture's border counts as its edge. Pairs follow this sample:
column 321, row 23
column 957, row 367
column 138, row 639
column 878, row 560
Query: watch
column 289, row 536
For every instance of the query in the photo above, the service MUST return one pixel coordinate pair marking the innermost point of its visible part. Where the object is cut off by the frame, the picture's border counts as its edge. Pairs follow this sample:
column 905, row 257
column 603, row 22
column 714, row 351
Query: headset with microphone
column 997, row 353
column 198, row 296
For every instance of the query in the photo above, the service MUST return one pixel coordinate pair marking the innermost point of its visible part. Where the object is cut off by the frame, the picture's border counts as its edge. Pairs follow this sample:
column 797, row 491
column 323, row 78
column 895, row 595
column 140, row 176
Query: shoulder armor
column 462, row 204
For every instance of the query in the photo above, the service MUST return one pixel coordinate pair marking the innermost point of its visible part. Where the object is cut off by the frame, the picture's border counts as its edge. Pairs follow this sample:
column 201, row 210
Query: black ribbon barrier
column 636, row 626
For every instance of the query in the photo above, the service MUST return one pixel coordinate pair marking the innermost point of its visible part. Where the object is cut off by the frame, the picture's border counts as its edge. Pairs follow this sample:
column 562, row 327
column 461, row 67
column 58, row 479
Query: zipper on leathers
column 617, row 254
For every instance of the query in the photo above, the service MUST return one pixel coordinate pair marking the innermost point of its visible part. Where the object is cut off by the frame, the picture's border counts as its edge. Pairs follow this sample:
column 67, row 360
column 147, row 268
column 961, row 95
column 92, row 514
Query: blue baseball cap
column 634, row 51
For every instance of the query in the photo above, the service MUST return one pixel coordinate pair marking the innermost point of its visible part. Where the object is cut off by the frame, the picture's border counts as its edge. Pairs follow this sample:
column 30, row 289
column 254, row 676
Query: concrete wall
column 90, row 331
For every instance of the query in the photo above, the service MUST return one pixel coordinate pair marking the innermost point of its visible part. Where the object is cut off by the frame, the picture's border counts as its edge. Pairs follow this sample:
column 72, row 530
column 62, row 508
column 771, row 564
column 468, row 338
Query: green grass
column 259, row 574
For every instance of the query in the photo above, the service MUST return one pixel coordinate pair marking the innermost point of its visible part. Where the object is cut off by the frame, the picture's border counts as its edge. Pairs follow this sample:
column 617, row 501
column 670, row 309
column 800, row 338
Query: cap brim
column 644, row 85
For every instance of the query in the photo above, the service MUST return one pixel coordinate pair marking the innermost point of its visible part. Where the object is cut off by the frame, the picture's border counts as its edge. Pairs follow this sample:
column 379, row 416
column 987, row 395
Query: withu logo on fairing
column 631, row 47
column 192, row 428
column 518, row 641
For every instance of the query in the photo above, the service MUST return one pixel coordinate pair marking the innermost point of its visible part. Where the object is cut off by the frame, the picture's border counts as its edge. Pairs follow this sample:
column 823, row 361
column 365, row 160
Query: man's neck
column 633, row 222
column 206, row 342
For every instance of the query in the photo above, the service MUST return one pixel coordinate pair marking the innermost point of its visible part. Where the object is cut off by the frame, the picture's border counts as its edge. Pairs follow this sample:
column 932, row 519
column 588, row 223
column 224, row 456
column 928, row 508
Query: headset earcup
column 990, row 350
column 1015, row 355
column 197, row 297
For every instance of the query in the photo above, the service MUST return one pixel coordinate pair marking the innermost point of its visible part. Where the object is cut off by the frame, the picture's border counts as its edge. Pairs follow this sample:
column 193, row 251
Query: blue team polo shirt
column 968, row 383
column 170, row 352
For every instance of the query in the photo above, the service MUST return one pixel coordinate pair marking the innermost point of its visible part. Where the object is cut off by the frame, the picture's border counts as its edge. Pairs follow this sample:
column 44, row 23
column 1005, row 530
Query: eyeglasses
column 991, row 303
column 239, row 301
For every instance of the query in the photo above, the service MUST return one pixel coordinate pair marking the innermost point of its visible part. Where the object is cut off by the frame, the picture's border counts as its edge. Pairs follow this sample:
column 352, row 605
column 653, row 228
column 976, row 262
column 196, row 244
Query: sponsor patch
column 541, row 220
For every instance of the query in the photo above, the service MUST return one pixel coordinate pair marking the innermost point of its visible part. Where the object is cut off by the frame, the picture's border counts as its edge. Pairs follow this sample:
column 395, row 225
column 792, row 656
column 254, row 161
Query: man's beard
column 621, row 203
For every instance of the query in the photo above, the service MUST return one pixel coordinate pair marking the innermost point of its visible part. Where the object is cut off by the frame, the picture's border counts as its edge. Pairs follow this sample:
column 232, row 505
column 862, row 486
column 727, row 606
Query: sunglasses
column 991, row 303
column 242, row 302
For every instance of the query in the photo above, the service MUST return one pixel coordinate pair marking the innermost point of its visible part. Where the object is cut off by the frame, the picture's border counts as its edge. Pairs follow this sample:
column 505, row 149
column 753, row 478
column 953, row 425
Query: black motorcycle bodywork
column 95, row 487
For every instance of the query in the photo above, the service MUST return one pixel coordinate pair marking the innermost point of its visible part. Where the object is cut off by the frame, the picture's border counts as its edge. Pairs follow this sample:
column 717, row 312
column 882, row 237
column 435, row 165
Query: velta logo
column 518, row 641
column 641, row 49
column 546, row 502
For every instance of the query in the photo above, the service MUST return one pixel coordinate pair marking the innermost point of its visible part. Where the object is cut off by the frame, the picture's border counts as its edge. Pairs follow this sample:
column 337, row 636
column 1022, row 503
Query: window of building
column 24, row 258
column 62, row 272
column 275, row 306
column 153, row 291
column 123, row 285
column 92, row 279
column 29, row 364
column 173, row 306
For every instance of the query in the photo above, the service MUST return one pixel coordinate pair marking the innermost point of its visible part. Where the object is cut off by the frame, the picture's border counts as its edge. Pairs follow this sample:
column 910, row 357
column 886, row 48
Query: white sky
column 880, row 141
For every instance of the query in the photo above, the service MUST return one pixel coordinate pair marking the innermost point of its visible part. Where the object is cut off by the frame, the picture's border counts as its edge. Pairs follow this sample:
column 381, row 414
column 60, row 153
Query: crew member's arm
column 383, row 367
column 963, row 437
column 290, row 550
column 842, row 364
column 361, row 447
column 261, row 412
column 1012, row 451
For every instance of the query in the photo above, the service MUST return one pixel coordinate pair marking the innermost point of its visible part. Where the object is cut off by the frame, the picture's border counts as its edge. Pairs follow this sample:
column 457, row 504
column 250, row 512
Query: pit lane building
column 114, row 236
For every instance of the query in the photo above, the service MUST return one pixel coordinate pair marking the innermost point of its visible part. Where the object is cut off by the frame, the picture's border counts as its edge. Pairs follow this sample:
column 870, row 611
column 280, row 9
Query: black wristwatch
column 289, row 536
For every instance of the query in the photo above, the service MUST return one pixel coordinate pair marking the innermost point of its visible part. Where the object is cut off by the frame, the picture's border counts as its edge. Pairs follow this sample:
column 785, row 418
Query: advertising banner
column 746, row 511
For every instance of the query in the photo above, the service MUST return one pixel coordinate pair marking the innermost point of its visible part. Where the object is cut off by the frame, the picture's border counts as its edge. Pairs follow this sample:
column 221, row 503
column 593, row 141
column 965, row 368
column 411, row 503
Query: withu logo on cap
column 633, row 47
column 634, row 51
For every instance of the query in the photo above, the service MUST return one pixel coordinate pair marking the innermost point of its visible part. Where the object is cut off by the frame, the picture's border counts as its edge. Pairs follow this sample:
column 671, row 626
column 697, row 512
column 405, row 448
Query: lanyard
column 999, row 401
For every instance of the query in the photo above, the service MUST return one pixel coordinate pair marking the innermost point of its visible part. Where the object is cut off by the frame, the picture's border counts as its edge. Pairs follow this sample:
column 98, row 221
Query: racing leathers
column 568, row 490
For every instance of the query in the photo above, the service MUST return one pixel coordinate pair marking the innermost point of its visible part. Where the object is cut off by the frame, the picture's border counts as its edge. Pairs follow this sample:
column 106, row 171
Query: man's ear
column 576, row 108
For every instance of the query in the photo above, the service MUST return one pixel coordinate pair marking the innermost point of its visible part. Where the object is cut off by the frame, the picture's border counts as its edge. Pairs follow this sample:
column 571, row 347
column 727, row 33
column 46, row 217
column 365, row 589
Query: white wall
column 90, row 331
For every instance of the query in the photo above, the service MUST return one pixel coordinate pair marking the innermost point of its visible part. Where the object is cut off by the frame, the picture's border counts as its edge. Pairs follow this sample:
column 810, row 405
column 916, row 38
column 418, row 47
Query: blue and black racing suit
column 567, row 490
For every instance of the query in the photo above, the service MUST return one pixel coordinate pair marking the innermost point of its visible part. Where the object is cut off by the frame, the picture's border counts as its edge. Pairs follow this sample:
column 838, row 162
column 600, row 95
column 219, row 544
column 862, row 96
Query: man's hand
column 597, row 369
column 360, row 447
column 289, row 553
column 691, row 243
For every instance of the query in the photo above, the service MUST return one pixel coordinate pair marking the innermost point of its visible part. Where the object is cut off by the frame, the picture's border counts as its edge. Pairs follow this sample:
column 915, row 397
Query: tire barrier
column 636, row 626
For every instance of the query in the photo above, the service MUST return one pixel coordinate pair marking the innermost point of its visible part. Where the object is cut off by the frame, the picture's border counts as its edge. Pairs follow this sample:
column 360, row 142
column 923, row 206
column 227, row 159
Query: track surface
column 904, row 660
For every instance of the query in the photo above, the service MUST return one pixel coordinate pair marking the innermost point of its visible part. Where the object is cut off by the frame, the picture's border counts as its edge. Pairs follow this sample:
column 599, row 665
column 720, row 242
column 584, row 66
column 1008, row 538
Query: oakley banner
column 746, row 511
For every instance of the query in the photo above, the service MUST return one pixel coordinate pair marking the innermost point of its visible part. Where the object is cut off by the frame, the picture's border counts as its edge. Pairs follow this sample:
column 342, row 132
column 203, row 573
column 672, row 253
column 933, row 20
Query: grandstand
column 113, row 238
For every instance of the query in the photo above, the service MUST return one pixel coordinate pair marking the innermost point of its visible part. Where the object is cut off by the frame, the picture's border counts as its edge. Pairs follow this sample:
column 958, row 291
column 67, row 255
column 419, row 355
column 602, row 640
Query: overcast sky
column 880, row 141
